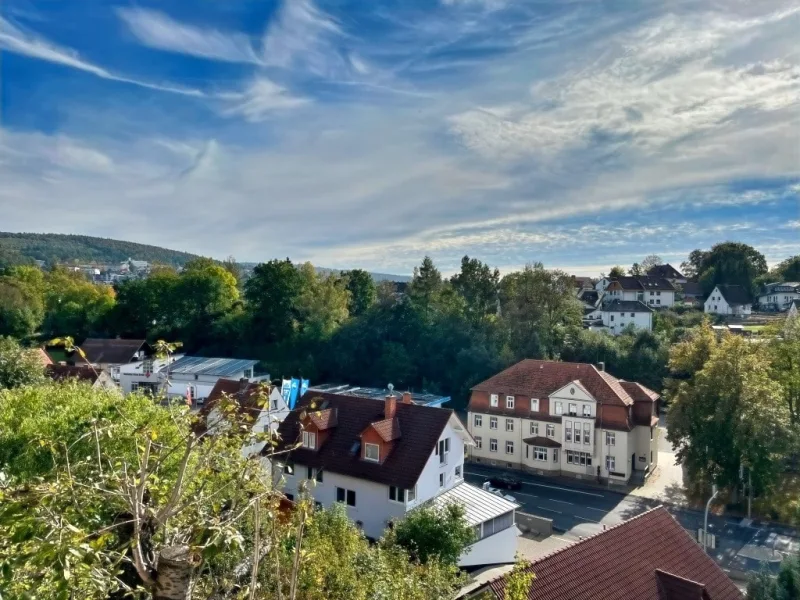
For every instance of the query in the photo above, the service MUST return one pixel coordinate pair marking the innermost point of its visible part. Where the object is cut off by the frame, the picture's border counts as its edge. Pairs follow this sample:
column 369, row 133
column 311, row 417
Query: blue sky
column 578, row 133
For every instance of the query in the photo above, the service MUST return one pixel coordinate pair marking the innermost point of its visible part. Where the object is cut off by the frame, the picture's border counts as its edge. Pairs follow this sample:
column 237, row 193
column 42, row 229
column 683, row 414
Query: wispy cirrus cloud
column 261, row 98
column 13, row 39
column 157, row 30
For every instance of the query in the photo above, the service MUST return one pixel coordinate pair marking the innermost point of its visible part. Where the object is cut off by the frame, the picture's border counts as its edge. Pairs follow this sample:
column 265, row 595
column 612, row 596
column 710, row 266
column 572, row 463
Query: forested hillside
column 59, row 248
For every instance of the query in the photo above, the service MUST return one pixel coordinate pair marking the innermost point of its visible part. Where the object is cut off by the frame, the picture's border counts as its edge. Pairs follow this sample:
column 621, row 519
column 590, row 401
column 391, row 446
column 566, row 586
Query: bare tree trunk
column 174, row 577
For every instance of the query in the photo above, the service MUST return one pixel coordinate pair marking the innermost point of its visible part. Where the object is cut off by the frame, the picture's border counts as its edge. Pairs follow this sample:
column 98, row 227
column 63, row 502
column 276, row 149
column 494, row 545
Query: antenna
column 391, row 388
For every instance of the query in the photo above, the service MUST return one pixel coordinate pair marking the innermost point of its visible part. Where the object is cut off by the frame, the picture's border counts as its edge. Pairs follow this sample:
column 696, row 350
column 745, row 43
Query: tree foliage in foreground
column 18, row 366
column 786, row 586
column 433, row 532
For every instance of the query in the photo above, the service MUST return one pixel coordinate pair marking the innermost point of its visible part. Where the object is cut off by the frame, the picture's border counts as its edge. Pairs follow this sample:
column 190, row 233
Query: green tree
column 731, row 263
column 518, row 582
column 433, row 532
column 321, row 306
column 726, row 410
column 693, row 265
column 616, row 272
column 271, row 293
column 363, row 291
column 426, row 286
column 786, row 586
column 18, row 366
column 74, row 304
column 784, row 352
column 21, row 310
column 479, row 286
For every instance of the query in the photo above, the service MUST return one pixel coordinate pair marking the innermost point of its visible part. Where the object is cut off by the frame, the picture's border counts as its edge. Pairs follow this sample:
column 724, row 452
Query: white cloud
column 157, row 30
column 261, row 99
column 15, row 40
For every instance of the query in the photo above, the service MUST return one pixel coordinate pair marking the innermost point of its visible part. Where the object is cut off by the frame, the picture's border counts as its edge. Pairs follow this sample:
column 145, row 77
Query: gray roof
column 479, row 505
column 222, row 367
column 734, row 294
column 626, row 306
column 378, row 394
column 644, row 283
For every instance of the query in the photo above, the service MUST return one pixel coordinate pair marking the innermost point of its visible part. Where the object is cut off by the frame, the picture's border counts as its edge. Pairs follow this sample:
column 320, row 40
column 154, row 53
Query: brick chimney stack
column 406, row 398
column 391, row 404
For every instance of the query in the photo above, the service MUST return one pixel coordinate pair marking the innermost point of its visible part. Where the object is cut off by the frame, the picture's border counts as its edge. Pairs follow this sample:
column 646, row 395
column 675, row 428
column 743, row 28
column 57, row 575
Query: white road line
column 523, row 494
column 555, row 537
column 583, row 519
column 561, row 501
column 549, row 510
column 553, row 487
column 602, row 510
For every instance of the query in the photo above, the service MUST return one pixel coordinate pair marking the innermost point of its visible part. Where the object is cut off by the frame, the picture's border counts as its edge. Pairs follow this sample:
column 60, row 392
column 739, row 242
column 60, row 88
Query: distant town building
column 779, row 296
column 729, row 300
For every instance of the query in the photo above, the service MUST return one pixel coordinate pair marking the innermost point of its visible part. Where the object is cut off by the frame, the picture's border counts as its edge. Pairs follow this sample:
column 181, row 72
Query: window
column 534, row 405
column 534, row 429
column 551, row 431
column 458, row 472
column 651, row 433
column 411, row 495
column 443, row 450
column 658, row 293
column 658, row 301
column 539, row 453
column 492, row 422
column 633, row 314
column 478, row 442
column 288, row 469
column 509, row 401
column 567, row 431
column 441, row 480
column 572, row 409
column 587, row 410
column 147, row 367
column 509, row 447
column 346, row 496
column 309, row 440
column 587, row 433
column 612, row 318
column 315, row 474
column 611, row 464
column 493, row 399
column 289, row 497
column 372, row 452
column 492, row 445
column 651, row 456
column 396, row 494
column 134, row 386
column 611, row 438
column 478, row 420
column 555, row 455
column 583, row 459
column 559, row 408
column 274, row 404
column 509, row 424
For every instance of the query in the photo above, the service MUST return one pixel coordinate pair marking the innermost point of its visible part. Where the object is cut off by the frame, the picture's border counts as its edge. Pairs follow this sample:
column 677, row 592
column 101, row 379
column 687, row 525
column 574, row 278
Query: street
column 578, row 510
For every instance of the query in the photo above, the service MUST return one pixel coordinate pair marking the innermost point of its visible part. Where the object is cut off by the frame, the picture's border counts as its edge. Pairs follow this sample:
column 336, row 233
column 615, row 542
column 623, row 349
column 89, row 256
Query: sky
column 355, row 134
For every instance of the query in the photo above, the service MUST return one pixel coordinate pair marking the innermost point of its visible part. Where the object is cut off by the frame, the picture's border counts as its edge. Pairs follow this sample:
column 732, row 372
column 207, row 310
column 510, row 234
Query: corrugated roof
column 222, row 367
column 479, row 505
column 627, row 306
column 378, row 394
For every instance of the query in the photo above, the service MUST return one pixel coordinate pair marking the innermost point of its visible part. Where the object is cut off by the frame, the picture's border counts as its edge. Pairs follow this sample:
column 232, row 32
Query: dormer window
column 310, row 440
column 493, row 398
column 372, row 452
column 509, row 401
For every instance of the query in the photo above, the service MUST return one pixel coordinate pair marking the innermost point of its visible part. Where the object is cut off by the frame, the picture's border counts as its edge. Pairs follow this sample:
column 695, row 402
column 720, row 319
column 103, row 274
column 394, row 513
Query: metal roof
column 378, row 394
column 222, row 367
column 479, row 505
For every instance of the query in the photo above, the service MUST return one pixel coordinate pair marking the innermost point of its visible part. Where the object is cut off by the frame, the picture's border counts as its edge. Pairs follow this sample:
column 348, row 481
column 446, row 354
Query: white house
column 779, row 296
column 655, row 292
column 197, row 375
column 619, row 314
column 731, row 300
column 110, row 354
column 143, row 375
column 556, row 418
column 384, row 458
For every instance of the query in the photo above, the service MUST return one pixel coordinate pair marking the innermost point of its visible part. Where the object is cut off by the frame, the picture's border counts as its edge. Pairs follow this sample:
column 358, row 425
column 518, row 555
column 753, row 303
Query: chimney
column 601, row 366
column 406, row 398
column 391, row 404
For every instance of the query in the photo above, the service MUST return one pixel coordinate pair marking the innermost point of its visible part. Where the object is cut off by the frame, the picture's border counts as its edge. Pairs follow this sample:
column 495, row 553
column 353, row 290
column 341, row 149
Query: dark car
column 506, row 482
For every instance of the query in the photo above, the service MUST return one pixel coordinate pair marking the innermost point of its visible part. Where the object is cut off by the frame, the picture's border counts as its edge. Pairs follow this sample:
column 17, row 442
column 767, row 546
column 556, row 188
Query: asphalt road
column 578, row 511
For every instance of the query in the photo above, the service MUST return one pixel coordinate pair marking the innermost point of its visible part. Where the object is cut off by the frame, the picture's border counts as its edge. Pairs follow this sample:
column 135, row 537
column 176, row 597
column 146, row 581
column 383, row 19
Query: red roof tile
column 324, row 419
column 638, row 392
column 540, row 378
column 388, row 429
column 623, row 562
column 62, row 372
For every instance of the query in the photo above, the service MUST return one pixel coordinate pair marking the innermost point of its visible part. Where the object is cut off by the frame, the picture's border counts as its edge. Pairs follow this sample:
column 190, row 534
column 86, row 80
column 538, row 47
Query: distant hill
column 377, row 277
column 59, row 248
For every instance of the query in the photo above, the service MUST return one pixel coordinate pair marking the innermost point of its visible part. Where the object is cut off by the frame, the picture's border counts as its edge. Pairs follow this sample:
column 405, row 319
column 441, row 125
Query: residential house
column 97, row 378
column 691, row 292
column 196, row 376
column 731, row 300
column 259, row 402
column 384, row 458
column 779, row 296
column 794, row 309
column 667, row 272
column 379, row 394
column 43, row 357
column 617, row 315
column 558, row 418
column 656, row 292
column 110, row 354
column 144, row 375
column 648, row 557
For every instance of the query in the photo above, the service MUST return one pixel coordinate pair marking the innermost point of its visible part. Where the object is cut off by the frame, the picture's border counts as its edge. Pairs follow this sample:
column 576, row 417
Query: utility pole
column 749, row 492
column 705, row 524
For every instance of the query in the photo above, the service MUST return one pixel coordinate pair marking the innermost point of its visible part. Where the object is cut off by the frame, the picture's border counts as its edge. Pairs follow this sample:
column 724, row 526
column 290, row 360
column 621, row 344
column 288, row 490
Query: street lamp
column 714, row 491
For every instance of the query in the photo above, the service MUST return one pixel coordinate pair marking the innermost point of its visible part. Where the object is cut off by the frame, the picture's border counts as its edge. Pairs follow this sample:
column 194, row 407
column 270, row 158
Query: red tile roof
column 249, row 397
column 324, row 419
column 624, row 562
column 540, row 378
column 421, row 426
column 638, row 392
column 388, row 429
column 62, row 372
column 673, row 587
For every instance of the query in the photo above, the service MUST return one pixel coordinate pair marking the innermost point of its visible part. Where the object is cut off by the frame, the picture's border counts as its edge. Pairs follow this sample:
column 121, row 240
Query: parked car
column 497, row 492
column 506, row 482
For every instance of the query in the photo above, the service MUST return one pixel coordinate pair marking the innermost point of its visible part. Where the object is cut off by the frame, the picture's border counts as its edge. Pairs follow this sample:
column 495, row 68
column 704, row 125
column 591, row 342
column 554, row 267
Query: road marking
column 562, row 502
column 583, row 519
column 563, row 539
column 602, row 510
column 553, row 487
column 524, row 494
column 549, row 510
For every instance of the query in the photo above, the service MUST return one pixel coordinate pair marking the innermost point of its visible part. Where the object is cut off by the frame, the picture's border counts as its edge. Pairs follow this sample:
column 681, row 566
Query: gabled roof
column 540, row 378
column 479, row 505
column 692, row 288
column 421, row 426
column 221, row 367
column 63, row 372
column 627, row 306
column 110, row 351
column 638, row 392
column 666, row 271
column 323, row 419
column 734, row 294
column 43, row 357
column 644, row 283
column 644, row 558
column 248, row 401
column 388, row 429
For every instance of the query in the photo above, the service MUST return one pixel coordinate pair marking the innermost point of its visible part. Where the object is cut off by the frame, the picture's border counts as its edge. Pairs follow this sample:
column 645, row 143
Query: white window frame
column 540, row 453
column 492, row 422
column 346, row 495
column 459, row 472
column 551, row 430
column 567, row 431
column 493, row 399
column 611, row 463
column 534, row 428
column 559, row 408
column 509, row 447
column 587, row 410
column 477, row 420
column 572, row 409
column 310, row 440
column 411, row 494
column 509, row 424
column 534, row 405
column 399, row 495
column 587, row 433
column 509, row 401
column 441, row 480
column 492, row 445
column 288, row 469
column 367, row 447
column 611, row 438
column 478, row 442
